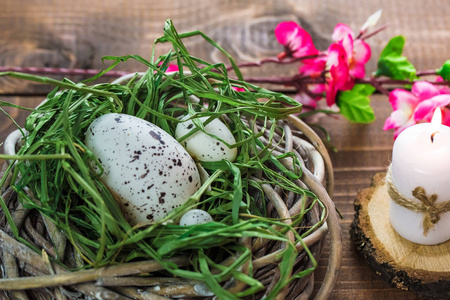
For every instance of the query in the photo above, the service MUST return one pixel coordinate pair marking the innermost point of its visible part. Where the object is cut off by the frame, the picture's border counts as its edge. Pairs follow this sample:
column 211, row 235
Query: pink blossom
column 425, row 109
column 310, row 93
column 238, row 89
column 296, row 41
column 343, row 62
column 346, row 59
column 416, row 106
column 358, row 52
column 403, row 103
column 443, row 89
column 338, row 78
column 170, row 68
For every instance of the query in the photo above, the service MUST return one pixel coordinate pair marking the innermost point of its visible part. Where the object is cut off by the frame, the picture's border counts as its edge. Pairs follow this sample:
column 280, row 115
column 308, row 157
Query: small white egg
column 203, row 147
column 149, row 172
column 195, row 217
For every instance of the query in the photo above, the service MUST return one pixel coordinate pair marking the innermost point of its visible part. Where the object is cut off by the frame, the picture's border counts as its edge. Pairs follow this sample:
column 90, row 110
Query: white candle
column 421, row 158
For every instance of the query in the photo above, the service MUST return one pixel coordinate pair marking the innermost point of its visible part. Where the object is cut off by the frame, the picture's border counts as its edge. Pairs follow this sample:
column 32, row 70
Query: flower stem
column 275, row 60
column 364, row 37
column 426, row 73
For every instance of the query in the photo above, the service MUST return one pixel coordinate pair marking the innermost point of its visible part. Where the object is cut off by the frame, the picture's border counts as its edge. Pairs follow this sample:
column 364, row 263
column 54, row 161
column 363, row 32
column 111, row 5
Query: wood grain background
column 76, row 34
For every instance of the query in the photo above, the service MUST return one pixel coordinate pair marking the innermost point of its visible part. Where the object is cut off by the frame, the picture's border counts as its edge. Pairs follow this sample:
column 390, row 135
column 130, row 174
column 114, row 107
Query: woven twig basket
column 29, row 275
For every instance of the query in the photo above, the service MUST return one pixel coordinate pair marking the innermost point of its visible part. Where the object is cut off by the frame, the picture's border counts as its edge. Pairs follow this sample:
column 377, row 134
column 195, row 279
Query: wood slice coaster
column 406, row 265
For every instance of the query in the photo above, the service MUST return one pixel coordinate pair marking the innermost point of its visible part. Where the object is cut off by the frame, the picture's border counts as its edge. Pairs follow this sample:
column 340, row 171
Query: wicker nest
column 30, row 275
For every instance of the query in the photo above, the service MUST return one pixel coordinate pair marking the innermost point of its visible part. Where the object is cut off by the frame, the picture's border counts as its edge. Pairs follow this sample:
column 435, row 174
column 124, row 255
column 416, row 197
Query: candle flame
column 436, row 122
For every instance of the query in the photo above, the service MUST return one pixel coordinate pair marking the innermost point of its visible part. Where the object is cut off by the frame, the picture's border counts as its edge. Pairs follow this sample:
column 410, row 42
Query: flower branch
column 338, row 75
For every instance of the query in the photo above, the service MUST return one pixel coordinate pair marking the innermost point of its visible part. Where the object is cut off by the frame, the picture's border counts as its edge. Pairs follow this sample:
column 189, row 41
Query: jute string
column 427, row 205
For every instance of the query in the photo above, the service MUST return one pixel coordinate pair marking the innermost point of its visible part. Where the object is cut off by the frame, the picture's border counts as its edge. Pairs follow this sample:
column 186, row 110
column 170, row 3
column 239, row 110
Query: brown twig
column 275, row 60
column 69, row 278
column 61, row 71
column 10, row 262
column 370, row 34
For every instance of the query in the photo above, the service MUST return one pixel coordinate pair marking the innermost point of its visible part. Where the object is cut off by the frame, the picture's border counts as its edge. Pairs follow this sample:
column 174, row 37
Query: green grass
column 53, row 164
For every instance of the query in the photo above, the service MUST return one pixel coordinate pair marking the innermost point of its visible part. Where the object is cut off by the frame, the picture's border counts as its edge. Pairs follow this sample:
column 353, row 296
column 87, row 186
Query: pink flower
column 310, row 93
column 417, row 106
column 403, row 103
column 443, row 89
column 425, row 109
column 238, row 89
column 338, row 78
column 171, row 67
column 358, row 52
column 296, row 41
column 345, row 61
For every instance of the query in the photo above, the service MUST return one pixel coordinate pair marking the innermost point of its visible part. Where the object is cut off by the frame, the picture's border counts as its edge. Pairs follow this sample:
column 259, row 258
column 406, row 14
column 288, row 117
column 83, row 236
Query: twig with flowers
column 339, row 76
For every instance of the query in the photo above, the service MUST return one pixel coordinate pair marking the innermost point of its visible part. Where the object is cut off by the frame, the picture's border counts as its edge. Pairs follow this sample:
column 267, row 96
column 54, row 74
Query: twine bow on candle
column 427, row 204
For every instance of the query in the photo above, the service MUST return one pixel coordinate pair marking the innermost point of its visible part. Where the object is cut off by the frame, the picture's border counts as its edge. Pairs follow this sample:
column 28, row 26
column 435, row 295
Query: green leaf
column 393, row 64
column 355, row 104
column 444, row 71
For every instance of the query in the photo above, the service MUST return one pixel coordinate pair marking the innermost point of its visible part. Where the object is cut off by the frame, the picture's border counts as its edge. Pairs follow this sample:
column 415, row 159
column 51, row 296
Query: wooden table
column 76, row 35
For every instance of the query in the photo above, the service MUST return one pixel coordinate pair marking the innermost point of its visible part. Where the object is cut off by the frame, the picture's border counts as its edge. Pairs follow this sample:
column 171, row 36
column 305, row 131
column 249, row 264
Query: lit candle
column 420, row 173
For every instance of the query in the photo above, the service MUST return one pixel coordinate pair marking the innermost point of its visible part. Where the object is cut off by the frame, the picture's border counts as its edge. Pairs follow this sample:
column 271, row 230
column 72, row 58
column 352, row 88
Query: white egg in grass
column 195, row 217
column 146, row 168
column 203, row 147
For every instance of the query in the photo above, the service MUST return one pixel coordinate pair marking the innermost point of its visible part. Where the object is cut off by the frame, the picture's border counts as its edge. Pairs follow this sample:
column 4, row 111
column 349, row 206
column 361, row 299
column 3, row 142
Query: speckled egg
column 194, row 217
column 203, row 147
column 147, row 169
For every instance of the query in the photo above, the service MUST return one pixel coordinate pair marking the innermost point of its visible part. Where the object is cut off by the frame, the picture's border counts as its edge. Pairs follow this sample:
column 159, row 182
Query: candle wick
column 432, row 136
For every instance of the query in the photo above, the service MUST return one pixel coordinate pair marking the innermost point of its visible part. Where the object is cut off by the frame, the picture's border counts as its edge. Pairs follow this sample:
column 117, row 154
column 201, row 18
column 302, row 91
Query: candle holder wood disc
column 422, row 269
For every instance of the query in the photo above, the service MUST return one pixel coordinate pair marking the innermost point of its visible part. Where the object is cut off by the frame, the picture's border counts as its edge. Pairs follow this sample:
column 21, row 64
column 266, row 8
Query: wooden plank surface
column 41, row 33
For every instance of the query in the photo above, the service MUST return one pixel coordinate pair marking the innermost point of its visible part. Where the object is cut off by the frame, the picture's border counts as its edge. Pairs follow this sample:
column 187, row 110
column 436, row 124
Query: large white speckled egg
column 147, row 169
column 195, row 217
column 203, row 147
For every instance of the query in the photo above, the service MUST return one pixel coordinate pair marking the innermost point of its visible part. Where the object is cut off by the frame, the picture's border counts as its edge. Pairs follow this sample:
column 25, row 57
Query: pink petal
column 339, row 75
column 398, row 121
column 295, row 38
column 331, row 93
column 238, row 89
column 337, row 62
column 334, row 51
column 303, row 44
column 312, row 67
column 395, row 120
column 348, row 85
column 424, row 90
column 425, row 109
column 306, row 100
column 316, row 88
column 340, row 31
column 445, row 116
column 285, row 31
column 389, row 124
column 336, row 55
column 358, row 71
column 443, row 89
column 172, row 68
column 403, row 100
column 347, row 44
column 305, row 50
column 361, row 52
